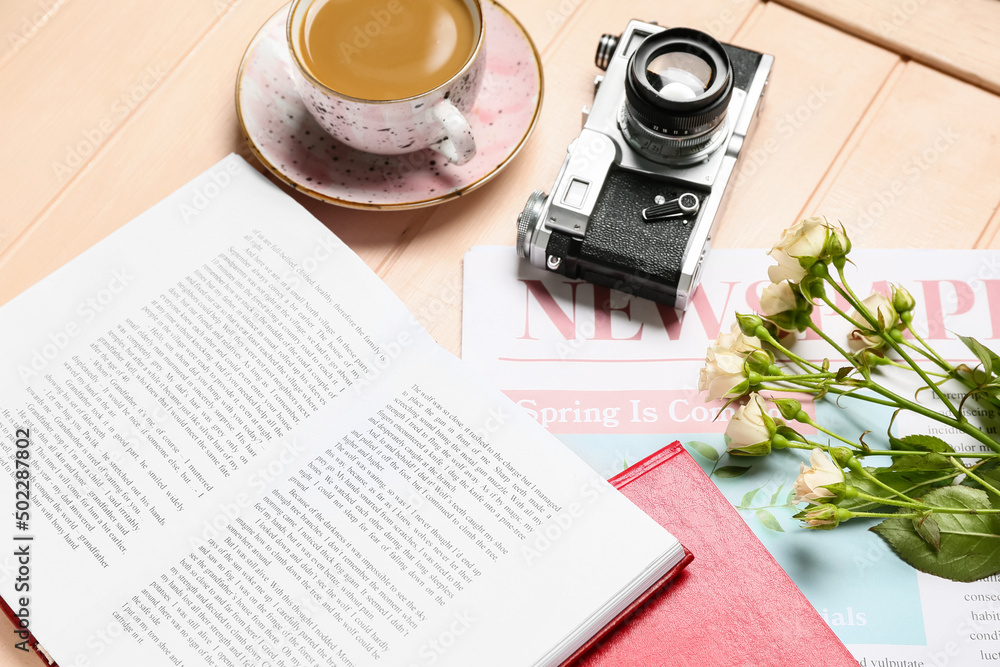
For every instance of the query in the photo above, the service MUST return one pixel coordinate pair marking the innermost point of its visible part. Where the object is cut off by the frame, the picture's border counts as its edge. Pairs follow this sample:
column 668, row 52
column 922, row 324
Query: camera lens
column 677, row 92
column 679, row 76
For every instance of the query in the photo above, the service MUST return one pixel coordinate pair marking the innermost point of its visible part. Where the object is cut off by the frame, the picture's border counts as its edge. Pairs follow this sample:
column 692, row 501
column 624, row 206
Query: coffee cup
column 392, row 76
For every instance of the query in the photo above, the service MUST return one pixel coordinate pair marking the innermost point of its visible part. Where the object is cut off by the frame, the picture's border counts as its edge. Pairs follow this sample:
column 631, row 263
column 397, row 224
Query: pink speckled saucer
column 292, row 145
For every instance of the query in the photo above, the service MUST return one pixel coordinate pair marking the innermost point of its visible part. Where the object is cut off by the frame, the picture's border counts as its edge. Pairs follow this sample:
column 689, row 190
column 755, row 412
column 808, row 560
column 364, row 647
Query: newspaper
column 618, row 381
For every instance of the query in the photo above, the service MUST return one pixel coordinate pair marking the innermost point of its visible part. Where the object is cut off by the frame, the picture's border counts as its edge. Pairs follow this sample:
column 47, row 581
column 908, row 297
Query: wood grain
column 958, row 37
column 101, row 65
column 21, row 21
column 923, row 173
column 188, row 129
column 990, row 238
column 189, row 124
column 426, row 270
column 812, row 106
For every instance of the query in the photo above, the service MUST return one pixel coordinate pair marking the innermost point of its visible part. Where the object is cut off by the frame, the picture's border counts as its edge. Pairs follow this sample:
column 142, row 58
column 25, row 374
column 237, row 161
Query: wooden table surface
column 881, row 113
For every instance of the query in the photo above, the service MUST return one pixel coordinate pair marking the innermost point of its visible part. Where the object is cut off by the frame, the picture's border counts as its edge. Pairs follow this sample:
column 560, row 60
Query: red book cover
column 24, row 635
column 732, row 606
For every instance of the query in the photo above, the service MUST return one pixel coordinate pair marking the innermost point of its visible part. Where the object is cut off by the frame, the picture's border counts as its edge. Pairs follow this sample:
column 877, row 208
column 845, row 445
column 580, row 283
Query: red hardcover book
column 32, row 643
column 732, row 606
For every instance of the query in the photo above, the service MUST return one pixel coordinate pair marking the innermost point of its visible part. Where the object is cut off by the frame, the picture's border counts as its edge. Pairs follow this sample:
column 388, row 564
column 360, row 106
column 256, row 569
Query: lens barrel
column 678, row 87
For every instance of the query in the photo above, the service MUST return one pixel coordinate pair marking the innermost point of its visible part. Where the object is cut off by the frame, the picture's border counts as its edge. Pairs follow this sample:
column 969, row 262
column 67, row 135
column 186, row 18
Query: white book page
column 234, row 458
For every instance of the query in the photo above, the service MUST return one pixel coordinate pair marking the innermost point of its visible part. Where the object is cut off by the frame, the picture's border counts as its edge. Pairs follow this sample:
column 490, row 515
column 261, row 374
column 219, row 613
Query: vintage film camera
column 636, row 200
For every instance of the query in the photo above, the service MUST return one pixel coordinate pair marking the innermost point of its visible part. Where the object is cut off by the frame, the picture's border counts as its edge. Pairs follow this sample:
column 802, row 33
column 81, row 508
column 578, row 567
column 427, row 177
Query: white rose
column 837, row 244
column 724, row 361
column 777, row 298
column 737, row 341
column 880, row 308
column 809, row 485
column 802, row 240
column 788, row 268
column 747, row 431
column 722, row 373
column 821, row 517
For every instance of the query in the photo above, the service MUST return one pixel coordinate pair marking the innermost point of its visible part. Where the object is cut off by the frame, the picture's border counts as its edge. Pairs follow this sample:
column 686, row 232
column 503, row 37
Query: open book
column 226, row 442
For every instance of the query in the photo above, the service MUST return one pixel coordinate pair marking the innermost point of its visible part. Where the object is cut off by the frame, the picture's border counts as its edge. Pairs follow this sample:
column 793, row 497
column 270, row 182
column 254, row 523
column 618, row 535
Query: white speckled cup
column 435, row 119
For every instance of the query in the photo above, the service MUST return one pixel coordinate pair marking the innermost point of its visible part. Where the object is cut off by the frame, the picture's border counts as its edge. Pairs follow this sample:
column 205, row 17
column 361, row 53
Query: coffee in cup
column 386, row 53
column 390, row 77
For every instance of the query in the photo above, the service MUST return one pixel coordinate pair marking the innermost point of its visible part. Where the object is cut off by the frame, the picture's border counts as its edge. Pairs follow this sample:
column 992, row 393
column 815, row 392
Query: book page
column 243, row 450
column 614, row 377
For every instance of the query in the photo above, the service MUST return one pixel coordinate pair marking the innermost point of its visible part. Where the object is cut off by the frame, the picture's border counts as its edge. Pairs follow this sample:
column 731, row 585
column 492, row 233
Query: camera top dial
column 678, row 87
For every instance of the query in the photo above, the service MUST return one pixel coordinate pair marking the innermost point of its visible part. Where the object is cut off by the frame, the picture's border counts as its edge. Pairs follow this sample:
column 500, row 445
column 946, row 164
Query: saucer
column 292, row 145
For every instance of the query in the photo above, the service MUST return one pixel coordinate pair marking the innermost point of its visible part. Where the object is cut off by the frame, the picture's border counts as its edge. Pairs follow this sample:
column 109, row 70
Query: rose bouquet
column 939, row 508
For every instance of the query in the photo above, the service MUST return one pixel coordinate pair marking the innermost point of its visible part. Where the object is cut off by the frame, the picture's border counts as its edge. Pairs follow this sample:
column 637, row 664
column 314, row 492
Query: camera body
column 636, row 200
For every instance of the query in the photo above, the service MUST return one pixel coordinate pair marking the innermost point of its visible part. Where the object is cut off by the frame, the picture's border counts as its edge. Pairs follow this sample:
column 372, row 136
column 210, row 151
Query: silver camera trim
column 592, row 154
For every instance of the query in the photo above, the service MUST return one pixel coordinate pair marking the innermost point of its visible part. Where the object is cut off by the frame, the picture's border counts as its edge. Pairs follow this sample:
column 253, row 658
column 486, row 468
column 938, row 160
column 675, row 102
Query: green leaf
column 970, row 543
column 774, row 498
column 983, row 353
column 933, row 460
column 989, row 393
column 929, row 529
column 731, row 471
column 768, row 521
column 843, row 372
column 990, row 476
column 706, row 451
column 748, row 498
column 920, row 443
column 790, row 497
column 928, row 461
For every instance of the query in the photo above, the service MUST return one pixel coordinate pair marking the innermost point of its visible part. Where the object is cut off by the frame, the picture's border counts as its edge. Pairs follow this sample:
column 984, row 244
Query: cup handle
column 459, row 146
